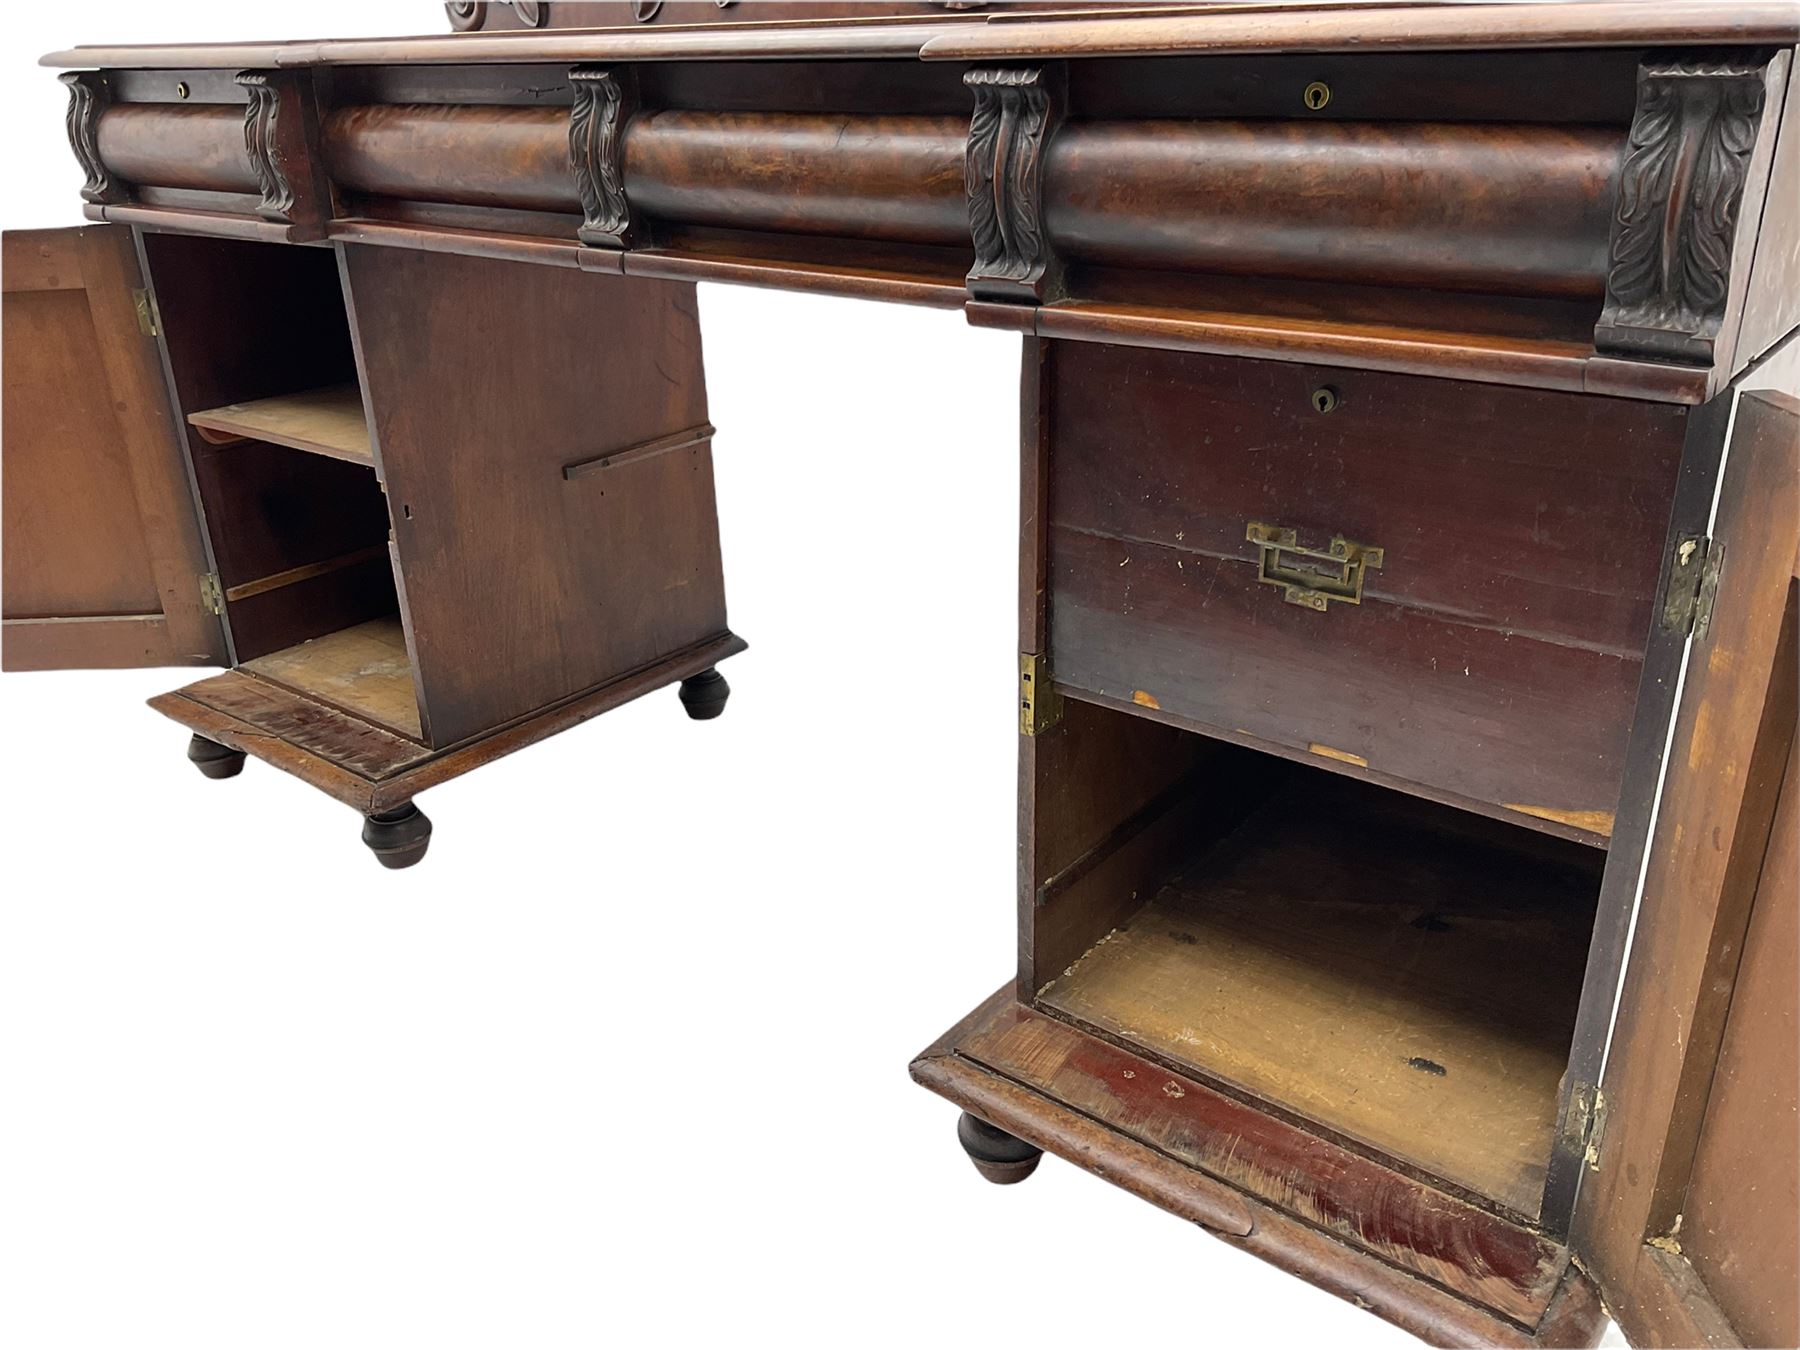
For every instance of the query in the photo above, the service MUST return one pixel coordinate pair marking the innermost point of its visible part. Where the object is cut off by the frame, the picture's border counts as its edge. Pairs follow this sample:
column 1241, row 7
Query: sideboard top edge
column 1200, row 31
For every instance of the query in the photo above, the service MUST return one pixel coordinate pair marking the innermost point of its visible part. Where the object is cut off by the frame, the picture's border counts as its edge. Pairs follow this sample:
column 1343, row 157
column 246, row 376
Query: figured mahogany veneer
column 1062, row 210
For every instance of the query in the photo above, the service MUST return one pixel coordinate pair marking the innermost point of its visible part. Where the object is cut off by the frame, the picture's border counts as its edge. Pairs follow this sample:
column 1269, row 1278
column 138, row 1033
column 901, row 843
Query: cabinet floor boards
column 1403, row 974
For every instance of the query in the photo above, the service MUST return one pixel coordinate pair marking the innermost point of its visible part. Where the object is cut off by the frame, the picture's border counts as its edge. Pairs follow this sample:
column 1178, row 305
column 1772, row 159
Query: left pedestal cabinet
column 422, row 515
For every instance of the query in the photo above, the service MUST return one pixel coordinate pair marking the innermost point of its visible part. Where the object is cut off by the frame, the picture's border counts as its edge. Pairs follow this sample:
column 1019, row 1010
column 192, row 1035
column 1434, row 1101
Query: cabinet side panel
column 521, row 585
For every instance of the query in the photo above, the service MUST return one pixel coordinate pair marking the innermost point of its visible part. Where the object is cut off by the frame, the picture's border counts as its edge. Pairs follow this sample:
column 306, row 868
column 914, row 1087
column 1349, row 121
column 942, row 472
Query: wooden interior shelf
column 327, row 421
column 1402, row 974
column 363, row 670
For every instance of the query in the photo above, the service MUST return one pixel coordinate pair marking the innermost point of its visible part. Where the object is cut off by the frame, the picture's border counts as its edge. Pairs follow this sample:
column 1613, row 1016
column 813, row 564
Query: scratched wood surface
column 374, row 769
column 1734, row 728
column 362, row 669
column 1345, row 1221
column 1497, row 650
column 1402, row 973
column 522, row 588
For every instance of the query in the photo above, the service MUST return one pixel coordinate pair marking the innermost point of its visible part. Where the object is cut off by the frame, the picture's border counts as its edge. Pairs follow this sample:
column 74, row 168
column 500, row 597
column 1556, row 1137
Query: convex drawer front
column 1404, row 574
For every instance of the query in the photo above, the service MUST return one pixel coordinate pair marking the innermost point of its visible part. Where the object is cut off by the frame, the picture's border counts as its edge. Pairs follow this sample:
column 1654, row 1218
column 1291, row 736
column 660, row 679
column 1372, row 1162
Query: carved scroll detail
column 1674, row 227
column 260, row 116
column 87, row 100
column 466, row 16
column 1003, row 172
column 596, row 155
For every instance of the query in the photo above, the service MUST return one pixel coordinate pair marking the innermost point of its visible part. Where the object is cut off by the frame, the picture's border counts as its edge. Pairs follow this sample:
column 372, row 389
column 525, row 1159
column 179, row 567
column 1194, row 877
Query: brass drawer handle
column 1312, row 577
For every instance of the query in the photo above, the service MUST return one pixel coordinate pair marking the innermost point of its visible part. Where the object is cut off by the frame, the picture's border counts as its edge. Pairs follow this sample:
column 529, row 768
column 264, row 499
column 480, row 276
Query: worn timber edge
column 1546, row 1301
column 371, row 768
column 1629, row 23
column 1542, row 824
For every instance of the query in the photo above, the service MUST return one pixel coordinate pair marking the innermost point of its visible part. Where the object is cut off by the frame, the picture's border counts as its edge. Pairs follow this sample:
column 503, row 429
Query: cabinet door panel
column 103, row 555
column 1696, row 1155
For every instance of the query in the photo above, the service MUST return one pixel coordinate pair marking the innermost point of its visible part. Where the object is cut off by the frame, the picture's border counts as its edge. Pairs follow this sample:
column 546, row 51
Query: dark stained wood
column 874, row 270
column 1034, row 495
column 103, row 552
column 245, row 321
column 1218, row 30
column 1688, row 204
column 281, row 136
column 1105, row 807
column 1204, row 28
column 214, row 761
column 1535, row 342
column 1001, row 1158
column 1772, row 297
column 1738, row 1218
column 226, row 218
column 371, row 768
column 887, row 177
column 703, row 696
column 1732, row 737
column 276, row 515
column 1526, row 206
column 1655, row 709
column 398, row 837
column 1472, row 193
column 795, row 40
column 242, row 323
column 480, row 156
column 1595, row 88
column 1507, row 675
column 178, row 145
column 520, row 588
column 1107, row 1110
column 1413, row 214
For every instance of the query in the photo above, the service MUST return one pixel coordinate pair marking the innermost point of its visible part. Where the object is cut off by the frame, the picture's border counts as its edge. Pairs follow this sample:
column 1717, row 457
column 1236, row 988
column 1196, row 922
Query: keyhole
column 1316, row 95
column 181, row 89
column 1324, row 399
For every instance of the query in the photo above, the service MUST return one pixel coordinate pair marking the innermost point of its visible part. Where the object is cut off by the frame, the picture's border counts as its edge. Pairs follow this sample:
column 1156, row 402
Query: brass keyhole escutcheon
column 1324, row 399
column 1316, row 95
column 181, row 89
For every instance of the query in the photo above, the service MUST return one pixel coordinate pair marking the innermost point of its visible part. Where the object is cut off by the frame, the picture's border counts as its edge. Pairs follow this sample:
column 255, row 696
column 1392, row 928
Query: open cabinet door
column 104, row 560
column 1688, row 1216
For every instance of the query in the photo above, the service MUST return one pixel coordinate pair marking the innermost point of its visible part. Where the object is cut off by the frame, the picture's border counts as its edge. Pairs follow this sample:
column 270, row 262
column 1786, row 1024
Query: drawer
column 1495, row 650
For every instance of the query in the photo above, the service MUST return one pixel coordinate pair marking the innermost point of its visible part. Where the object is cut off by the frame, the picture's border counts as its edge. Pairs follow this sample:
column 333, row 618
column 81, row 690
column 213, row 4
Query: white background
column 624, row 1060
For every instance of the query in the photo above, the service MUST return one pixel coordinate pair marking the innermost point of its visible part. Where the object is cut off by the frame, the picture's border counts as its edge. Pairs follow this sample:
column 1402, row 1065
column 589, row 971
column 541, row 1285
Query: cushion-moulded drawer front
column 1496, row 649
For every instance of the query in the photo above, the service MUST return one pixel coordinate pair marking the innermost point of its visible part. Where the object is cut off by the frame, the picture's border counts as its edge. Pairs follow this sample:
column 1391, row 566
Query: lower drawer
column 1494, row 650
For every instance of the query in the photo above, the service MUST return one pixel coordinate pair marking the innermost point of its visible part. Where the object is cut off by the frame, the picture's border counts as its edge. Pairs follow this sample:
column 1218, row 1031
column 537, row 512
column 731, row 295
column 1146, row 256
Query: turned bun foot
column 397, row 838
column 1000, row 1157
column 704, row 695
column 215, row 760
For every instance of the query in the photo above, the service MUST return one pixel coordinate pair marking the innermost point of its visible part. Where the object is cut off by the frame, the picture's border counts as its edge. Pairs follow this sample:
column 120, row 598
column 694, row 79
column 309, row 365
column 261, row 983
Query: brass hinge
column 1040, row 706
column 212, row 595
column 1585, row 1126
column 1693, row 585
column 148, row 317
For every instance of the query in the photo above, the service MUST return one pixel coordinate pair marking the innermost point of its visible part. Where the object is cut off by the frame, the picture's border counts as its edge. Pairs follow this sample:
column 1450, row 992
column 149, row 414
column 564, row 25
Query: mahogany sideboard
column 1409, row 540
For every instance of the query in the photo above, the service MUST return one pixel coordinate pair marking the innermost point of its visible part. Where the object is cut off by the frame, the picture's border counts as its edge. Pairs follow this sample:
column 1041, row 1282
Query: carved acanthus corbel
column 88, row 98
column 1004, row 174
column 1675, row 225
column 604, row 103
